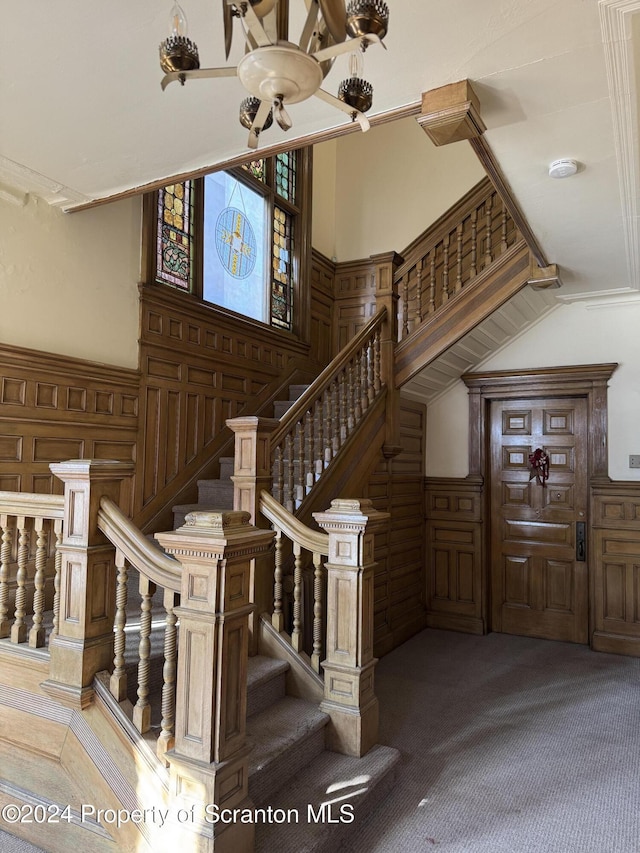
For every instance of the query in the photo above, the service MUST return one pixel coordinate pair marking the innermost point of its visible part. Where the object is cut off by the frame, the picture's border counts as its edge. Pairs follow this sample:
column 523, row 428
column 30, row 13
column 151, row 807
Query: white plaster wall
column 68, row 281
column 573, row 334
column 323, row 228
column 392, row 183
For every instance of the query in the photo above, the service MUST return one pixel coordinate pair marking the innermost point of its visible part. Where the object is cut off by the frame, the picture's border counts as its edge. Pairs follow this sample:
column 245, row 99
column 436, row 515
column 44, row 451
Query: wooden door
column 538, row 587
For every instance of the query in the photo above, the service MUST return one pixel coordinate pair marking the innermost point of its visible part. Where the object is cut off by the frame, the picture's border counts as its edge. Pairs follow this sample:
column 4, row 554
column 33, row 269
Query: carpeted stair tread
column 265, row 683
column 285, row 738
column 339, row 780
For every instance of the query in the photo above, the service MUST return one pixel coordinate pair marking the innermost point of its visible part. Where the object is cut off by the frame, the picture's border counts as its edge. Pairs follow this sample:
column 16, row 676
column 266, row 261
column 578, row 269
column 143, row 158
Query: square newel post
column 208, row 764
column 349, row 696
column 387, row 297
column 251, row 474
column 83, row 645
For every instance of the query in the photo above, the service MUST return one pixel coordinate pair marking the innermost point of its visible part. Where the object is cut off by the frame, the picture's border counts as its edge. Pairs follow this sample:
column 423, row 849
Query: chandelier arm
column 258, row 123
column 310, row 25
column 355, row 115
column 335, row 15
column 198, row 73
column 346, row 47
column 270, row 24
column 227, row 18
column 252, row 22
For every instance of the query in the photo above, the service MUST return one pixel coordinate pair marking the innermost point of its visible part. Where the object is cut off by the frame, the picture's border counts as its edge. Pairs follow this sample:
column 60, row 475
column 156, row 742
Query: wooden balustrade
column 468, row 239
column 31, row 527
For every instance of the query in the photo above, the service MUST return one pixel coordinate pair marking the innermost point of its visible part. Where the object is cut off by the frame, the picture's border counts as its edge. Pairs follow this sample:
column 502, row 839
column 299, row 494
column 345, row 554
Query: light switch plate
column 634, row 461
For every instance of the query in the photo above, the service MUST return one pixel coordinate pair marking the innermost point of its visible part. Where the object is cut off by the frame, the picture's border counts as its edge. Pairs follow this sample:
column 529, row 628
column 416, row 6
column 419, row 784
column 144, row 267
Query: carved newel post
column 349, row 696
column 83, row 644
column 208, row 764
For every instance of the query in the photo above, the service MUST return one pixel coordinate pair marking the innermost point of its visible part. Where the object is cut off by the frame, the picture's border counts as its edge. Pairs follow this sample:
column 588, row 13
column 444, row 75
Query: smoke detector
column 563, row 168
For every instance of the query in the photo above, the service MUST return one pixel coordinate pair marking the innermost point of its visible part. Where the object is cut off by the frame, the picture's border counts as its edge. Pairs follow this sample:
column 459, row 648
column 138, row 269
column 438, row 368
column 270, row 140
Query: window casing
column 237, row 239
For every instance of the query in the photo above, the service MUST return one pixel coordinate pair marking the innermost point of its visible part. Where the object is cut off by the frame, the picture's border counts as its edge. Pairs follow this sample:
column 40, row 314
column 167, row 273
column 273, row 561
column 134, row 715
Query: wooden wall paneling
column 455, row 584
column 355, row 300
column 616, row 567
column 322, row 300
column 54, row 408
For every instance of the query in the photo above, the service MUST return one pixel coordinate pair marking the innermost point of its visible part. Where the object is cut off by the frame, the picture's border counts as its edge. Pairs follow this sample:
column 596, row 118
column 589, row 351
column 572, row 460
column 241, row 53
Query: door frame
column 589, row 381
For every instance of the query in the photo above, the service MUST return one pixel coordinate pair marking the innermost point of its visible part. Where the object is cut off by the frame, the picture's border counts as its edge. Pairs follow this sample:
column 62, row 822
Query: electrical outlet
column 634, row 461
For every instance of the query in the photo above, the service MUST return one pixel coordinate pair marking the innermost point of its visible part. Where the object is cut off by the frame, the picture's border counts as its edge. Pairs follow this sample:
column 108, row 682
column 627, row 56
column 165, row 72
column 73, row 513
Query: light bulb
column 356, row 63
column 178, row 21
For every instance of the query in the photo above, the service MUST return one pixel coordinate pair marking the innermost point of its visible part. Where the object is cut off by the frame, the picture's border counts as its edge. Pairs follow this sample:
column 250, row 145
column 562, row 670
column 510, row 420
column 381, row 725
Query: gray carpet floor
column 509, row 745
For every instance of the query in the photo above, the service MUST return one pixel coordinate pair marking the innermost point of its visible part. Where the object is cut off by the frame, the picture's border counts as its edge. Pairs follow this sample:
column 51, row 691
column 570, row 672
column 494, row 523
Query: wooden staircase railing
column 450, row 254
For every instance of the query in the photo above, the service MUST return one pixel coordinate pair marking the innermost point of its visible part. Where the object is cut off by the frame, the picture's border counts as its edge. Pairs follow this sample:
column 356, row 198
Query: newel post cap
column 351, row 514
column 218, row 531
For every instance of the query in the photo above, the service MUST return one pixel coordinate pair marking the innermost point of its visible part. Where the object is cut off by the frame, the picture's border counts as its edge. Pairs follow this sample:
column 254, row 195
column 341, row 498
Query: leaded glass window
column 255, row 168
column 286, row 175
column 174, row 249
column 281, row 289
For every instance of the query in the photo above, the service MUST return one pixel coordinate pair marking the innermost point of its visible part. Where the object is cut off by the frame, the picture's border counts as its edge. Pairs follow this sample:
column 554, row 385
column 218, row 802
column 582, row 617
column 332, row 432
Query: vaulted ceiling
column 83, row 118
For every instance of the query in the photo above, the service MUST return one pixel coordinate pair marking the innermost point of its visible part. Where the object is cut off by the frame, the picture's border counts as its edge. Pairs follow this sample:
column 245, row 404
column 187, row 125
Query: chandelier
column 275, row 72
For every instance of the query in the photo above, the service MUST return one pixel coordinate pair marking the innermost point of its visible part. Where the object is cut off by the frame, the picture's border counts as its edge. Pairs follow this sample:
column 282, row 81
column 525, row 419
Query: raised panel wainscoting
column 616, row 567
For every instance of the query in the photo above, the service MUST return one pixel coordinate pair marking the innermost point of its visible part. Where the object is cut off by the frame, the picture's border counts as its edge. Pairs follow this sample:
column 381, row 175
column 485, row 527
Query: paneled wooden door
column 538, row 587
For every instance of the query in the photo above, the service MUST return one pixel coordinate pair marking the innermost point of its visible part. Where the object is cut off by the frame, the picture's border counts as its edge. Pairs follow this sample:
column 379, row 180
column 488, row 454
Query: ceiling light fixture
column 276, row 72
column 563, row 168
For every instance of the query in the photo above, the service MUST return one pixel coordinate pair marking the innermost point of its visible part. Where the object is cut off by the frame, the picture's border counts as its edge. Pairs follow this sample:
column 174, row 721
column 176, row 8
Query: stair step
column 226, row 467
column 218, row 493
column 265, row 683
column 335, row 781
column 285, row 737
column 296, row 391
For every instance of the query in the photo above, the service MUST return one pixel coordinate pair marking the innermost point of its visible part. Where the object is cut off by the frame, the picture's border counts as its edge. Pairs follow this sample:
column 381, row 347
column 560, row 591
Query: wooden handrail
column 310, row 540
column 31, row 505
column 327, row 376
column 149, row 560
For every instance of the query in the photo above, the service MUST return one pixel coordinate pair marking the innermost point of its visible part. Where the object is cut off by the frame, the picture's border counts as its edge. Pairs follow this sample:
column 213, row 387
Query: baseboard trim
column 453, row 622
column 615, row 644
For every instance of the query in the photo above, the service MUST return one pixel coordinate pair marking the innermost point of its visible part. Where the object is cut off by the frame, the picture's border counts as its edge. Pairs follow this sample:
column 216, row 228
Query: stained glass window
column 281, row 287
column 255, row 168
column 174, row 250
column 286, row 175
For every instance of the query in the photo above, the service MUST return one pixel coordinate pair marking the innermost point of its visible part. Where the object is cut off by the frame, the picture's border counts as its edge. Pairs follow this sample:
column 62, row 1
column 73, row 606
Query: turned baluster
column 460, row 235
column 405, row 305
column 299, row 446
column 432, row 281
column 277, row 617
column 328, row 410
column 316, row 656
column 445, row 269
column 350, row 391
column 5, row 557
column 309, row 451
column 36, row 634
column 289, row 496
column 473, row 269
column 279, row 464
column 419, row 290
column 357, row 387
column 296, row 634
column 503, row 243
column 167, row 738
column 142, row 709
column 488, row 257
column 365, row 394
column 377, row 369
column 336, row 415
column 19, row 627
column 57, row 562
column 318, row 453
column 118, row 680
column 342, row 388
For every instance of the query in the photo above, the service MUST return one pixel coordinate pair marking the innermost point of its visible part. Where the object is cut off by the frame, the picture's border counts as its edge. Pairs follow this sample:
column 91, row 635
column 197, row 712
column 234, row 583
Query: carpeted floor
column 510, row 745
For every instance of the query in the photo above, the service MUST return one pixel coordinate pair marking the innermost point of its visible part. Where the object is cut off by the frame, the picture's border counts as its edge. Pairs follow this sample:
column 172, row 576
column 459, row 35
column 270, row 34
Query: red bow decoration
column 539, row 466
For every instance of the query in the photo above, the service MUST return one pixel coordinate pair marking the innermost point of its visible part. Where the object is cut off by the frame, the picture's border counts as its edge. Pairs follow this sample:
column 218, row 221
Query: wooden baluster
column 279, row 489
column 318, row 447
column 19, row 627
column 316, row 656
column 405, row 305
column 473, row 270
column 364, row 376
column 166, row 740
column 36, row 634
column 349, row 390
column 328, row 409
column 336, row 415
column 342, row 387
column 460, row 234
column 142, row 709
column 296, row 634
column 488, row 257
column 290, row 452
column 57, row 562
column 277, row 617
column 309, row 451
column 357, row 387
column 377, row 370
column 118, row 680
column 419, row 268
column 445, row 269
column 5, row 558
column 432, row 281
column 503, row 243
column 299, row 446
